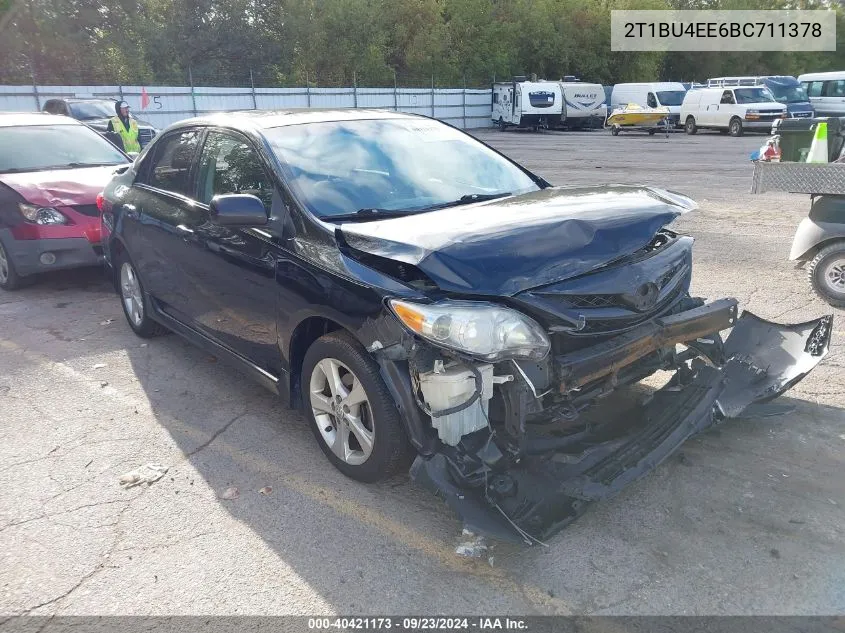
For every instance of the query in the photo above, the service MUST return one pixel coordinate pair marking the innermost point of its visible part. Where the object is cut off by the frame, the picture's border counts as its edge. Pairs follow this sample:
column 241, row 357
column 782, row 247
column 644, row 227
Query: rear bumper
column 524, row 495
column 71, row 252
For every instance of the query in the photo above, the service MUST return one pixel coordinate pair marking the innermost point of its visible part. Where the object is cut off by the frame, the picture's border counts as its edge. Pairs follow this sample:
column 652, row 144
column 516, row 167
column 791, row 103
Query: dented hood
column 60, row 187
column 503, row 247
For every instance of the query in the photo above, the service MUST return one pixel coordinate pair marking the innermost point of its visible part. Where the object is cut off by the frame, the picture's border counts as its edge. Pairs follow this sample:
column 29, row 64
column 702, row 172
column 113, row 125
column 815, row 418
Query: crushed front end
column 525, row 440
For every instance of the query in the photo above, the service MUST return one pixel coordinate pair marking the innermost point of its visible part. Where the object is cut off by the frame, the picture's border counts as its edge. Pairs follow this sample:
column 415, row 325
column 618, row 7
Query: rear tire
column 735, row 127
column 134, row 302
column 502, row 125
column 826, row 274
column 371, row 415
column 690, row 127
column 9, row 278
column 614, row 130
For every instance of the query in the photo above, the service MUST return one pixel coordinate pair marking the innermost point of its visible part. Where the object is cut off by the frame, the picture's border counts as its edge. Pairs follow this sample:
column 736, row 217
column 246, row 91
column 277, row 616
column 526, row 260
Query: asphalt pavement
column 747, row 519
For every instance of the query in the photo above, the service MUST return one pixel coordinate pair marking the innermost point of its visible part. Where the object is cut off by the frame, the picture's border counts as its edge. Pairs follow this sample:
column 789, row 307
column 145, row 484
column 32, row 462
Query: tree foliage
column 371, row 42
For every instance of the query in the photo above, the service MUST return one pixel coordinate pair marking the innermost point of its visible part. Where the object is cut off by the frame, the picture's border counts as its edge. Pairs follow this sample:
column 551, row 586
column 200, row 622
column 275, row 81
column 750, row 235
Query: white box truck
column 527, row 104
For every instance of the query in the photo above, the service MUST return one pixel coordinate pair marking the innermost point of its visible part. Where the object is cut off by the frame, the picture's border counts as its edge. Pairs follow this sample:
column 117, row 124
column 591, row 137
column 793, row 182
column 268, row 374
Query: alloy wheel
column 342, row 411
column 130, row 292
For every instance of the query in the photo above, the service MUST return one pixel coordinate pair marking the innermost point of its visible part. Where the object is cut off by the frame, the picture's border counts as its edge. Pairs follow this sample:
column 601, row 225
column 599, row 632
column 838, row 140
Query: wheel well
column 303, row 336
column 690, row 117
column 814, row 250
column 116, row 249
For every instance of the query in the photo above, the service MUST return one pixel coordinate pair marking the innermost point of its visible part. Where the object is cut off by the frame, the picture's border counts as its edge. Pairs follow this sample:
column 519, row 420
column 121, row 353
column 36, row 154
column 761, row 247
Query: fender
column 824, row 223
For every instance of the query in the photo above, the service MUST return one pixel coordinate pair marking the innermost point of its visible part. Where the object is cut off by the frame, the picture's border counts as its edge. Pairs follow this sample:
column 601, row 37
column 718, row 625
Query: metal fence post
column 120, row 91
column 432, row 95
column 355, row 88
column 464, row 102
column 34, row 86
column 252, row 85
column 193, row 96
column 307, row 89
column 395, row 95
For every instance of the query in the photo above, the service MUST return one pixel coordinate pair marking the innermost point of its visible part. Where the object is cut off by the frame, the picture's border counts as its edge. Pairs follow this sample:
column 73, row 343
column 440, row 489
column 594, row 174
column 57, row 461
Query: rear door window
column 169, row 167
column 835, row 88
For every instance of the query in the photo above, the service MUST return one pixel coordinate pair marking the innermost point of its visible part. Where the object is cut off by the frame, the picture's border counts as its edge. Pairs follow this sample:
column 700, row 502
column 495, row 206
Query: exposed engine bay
column 508, row 373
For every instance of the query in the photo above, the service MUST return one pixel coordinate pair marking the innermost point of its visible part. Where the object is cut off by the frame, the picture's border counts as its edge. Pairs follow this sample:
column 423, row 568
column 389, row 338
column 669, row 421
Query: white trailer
column 527, row 104
column 585, row 104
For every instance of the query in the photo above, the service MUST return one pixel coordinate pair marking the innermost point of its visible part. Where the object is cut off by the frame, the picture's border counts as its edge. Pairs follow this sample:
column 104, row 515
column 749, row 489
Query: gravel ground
column 748, row 519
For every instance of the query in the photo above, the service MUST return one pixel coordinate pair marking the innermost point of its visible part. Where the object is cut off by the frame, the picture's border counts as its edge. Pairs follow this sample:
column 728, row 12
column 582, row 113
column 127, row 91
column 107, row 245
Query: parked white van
column 732, row 110
column 652, row 95
column 826, row 92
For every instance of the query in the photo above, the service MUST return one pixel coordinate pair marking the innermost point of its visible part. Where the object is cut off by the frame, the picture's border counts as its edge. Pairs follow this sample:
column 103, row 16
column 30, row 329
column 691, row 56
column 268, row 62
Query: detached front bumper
column 525, row 496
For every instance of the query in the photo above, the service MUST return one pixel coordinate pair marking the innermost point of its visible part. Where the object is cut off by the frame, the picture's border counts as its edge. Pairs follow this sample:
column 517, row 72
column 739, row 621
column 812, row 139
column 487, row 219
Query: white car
column 733, row 110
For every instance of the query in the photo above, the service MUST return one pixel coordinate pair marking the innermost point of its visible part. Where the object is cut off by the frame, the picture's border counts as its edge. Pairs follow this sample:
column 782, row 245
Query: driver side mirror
column 237, row 209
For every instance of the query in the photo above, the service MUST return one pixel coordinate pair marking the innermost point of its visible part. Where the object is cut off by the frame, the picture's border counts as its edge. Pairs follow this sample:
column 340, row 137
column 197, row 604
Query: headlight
column 42, row 215
column 486, row 331
column 752, row 112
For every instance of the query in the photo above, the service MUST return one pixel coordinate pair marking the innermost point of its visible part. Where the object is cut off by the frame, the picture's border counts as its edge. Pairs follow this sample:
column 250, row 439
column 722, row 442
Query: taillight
column 101, row 202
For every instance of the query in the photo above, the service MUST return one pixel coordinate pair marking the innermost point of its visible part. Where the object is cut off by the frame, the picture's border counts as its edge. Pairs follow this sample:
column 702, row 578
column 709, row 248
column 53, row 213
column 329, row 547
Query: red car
column 52, row 168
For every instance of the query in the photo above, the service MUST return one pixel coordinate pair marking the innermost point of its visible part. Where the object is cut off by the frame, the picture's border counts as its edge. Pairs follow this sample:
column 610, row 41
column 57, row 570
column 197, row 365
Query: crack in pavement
column 214, row 436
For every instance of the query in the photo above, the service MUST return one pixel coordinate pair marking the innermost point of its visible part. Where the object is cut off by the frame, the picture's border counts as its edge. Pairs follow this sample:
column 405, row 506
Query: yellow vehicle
column 637, row 117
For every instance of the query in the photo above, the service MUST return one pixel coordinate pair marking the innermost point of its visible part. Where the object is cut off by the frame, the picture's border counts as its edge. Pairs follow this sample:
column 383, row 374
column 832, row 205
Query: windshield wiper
column 369, row 214
column 469, row 199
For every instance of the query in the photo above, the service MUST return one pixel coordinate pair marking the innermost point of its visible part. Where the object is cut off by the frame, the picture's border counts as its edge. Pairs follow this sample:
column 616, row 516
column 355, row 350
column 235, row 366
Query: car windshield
column 789, row 94
column 87, row 110
column 753, row 95
column 341, row 167
column 671, row 97
column 42, row 147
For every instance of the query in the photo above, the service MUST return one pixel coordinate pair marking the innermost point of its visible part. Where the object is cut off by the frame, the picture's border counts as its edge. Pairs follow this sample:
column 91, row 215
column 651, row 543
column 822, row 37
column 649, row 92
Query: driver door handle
column 184, row 229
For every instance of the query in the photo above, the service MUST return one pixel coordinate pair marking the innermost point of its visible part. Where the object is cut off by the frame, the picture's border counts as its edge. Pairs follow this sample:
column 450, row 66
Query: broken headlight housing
column 42, row 215
column 483, row 330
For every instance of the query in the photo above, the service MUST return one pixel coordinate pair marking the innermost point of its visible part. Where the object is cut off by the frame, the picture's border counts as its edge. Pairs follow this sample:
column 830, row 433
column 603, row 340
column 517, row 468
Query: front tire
column 132, row 299
column 735, row 127
column 615, row 130
column 350, row 410
column 9, row 278
column 690, row 127
column 826, row 274
column 502, row 125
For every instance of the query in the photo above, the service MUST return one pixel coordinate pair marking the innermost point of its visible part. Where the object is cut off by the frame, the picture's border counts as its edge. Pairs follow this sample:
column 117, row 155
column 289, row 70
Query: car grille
column 615, row 300
column 87, row 209
column 632, row 301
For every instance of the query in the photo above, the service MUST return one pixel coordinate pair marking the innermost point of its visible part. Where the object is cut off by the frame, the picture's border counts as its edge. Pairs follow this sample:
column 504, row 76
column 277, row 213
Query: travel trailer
column 585, row 103
column 527, row 104
column 652, row 95
column 786, row 90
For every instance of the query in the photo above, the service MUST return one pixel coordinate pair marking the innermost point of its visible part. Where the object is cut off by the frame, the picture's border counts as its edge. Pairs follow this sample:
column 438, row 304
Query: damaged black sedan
column 424, row 299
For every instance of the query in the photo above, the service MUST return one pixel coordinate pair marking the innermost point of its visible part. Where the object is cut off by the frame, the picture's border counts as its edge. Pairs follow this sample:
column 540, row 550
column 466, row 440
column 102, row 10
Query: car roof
column 834, row 74
column 266, row 119
column 81, row 99
column 15, row 119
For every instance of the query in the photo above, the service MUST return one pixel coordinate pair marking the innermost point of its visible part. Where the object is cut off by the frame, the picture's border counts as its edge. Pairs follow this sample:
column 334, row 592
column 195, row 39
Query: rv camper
column 585, row 103
column 527, row 104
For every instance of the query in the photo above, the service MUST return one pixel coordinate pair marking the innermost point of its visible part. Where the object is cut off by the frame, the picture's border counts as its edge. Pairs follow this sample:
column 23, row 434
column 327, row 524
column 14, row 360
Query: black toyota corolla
column 422, row 297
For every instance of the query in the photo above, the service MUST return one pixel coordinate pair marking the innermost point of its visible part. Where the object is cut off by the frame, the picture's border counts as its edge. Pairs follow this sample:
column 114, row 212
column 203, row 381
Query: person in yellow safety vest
column 125, row 126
